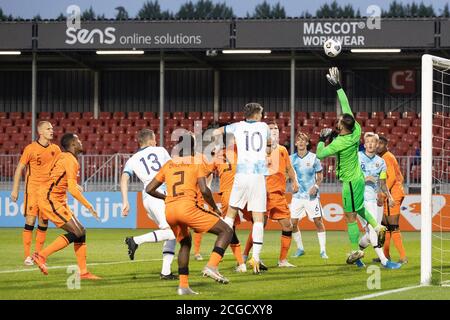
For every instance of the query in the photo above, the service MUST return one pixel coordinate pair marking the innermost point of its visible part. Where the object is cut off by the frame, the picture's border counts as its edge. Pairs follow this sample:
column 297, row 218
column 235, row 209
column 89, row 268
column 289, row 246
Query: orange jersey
column 209, row 168
column 278, row 163
column 38, row 160
column 394, row 180
column 180, row 175
column 65, row 167
column 225, row 165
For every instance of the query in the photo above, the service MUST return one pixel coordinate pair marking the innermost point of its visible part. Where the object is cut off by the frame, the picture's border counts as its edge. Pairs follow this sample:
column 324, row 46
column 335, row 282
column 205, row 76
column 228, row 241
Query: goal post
column 435, row 103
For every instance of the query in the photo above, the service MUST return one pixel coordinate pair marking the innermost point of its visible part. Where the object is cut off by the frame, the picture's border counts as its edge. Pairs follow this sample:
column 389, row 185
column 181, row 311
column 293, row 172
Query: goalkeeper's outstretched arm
column 334, row 78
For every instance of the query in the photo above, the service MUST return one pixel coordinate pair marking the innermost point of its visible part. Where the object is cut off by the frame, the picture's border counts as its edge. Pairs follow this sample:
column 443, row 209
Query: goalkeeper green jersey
column 345, row 147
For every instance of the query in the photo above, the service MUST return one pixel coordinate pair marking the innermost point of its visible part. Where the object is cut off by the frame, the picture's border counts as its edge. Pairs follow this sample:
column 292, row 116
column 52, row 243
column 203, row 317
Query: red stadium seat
column 316, row 115
column 388, row 123
column 409, row 115
column 415, row 131
column 87, row 130
column 132, row 130
column 178, row 115
column 74, row 115
column 167, row 115
column 154, row 123
column 133, row 116
column 393, row 115
column 270, row 116
column 21, row 123
column 87, row 115
column 109, row 137
column 416, row 122
column 185, row 123
column 281, row 122
column 71, row 129
column 208, row 116
column 58, row 116
column 17, row 137
column 393, row 139
column 238, row 116
column 8, row 146
column 116, row 146
column 126, row 123
column 118, row 115
column 438, row 121
column 405, row 123
column 104, row 115
column 11, row 130
column 301, row 115
column 409, row 138
column 225, row 117
column 44, row 116
column 284, row 115
column 141, row 123
column 194, row 116
column 4, row 137
column 382, row 131
column 173, row 123
column 3, row 115
column 330, row 115
column 310, row 122
column 27, row 130
column 399, row 131
column 102, row 130
column 117, row 130
column 367, row 129
column 111, row 123
column 377, row 115
column 15, row 115
column 96, row 123
column 373, row 123
column 148, row 115
column 326, row 123
column 66, row 123
column 362, row 116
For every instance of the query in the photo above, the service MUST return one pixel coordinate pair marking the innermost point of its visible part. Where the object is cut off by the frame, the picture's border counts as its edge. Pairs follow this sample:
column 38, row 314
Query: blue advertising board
column 107, row 204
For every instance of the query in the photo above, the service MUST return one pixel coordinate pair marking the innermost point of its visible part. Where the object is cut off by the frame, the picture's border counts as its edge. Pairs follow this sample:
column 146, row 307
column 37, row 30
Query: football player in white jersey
column 374, row 169
column 145, row 164
column 307, row 200
column 252, row 138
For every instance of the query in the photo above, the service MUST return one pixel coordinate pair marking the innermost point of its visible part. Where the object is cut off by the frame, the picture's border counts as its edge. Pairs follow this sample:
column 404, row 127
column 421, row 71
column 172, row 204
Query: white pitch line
column 89, row 264
column 374, row 295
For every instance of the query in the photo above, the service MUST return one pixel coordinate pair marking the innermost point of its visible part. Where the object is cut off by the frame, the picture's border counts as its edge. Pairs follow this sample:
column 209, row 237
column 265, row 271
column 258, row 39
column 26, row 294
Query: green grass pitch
column 313, row 278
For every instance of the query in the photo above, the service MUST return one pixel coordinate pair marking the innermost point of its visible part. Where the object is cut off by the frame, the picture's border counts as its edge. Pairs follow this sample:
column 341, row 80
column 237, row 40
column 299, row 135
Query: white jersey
column 251, row 141
column 146, row 163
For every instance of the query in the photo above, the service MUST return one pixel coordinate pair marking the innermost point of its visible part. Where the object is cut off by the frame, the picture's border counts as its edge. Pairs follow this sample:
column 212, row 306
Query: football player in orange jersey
column 183, row 176
column 391, row 218
column 53, row 204
column 37, row 158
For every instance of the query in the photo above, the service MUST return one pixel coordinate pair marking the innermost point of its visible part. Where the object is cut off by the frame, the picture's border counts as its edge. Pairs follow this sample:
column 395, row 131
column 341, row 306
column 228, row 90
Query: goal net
column 435, row 171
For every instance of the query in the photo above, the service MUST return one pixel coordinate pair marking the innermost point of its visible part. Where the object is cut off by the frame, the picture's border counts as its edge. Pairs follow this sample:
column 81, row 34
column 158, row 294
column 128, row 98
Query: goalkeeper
column 345, row 146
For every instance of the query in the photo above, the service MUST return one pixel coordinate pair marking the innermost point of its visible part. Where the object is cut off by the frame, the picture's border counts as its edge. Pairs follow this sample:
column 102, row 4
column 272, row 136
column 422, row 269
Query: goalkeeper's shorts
column 353, row 195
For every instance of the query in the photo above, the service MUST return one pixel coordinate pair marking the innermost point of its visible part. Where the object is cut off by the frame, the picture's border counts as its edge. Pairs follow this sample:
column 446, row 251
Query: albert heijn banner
column 333, row 213
column 370, row 32
column 134, row 35
column 107, row 204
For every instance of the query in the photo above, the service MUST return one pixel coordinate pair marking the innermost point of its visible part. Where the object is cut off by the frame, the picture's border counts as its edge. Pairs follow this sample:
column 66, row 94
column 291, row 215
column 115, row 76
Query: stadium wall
column 108, row 205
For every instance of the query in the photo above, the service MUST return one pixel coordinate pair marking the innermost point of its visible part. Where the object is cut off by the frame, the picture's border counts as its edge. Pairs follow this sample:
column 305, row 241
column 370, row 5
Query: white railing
column 103, row 172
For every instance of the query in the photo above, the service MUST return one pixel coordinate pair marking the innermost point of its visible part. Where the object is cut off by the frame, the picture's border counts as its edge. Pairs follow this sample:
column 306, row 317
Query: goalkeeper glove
column 334, row 77
column 325, row 134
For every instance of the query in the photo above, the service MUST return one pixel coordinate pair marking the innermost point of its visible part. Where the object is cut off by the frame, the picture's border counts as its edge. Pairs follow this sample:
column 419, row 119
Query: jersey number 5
column 175, row 185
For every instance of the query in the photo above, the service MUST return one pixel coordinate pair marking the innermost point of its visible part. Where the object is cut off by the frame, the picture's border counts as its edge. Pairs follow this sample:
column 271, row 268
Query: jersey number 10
column 251, row 141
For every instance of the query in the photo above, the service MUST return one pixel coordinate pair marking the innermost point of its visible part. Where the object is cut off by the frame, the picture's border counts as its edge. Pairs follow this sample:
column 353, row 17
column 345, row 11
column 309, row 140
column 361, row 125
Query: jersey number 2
column 175, row 185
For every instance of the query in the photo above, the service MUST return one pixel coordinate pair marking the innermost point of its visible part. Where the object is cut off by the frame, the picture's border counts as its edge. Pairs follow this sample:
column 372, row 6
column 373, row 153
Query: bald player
column 37, row 158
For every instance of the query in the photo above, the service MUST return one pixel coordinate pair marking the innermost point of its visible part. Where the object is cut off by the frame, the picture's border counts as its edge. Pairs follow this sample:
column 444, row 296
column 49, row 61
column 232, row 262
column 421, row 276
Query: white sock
column 229, row 221
column 373, row 236
column 258, row 238
column 322, row 240
column 364, row 241
column 155, row 236
column 168, row 255
column 297, row 236
column 380, row 254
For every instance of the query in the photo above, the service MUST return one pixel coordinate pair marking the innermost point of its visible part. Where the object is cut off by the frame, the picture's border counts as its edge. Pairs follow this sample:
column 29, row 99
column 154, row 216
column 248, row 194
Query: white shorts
column 250, row 190
column 156, row 210
column 302, row 207
column 374, row 210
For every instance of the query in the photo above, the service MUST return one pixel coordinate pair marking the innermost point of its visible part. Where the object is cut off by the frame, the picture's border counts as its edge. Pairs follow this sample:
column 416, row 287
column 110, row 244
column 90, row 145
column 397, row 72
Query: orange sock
column 27, row 236
column 184, row 283
column 387, row 244
column 248, row 244
column 60, row 243
column 80, row 252
column 398, row 242
column 197, row 241
column 40, row 239
column 285, row 245
column 236, row 248
column 214, row 260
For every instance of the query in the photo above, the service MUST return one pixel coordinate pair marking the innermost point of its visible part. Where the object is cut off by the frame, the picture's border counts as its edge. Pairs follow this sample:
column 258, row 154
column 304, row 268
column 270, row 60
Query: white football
column 332, row 47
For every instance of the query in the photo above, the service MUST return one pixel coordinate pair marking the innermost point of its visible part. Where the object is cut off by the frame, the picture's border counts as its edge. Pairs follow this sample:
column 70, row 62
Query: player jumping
column 307, row 200
column 183, row 176
column 345, row 147
column 249, row 187
column 53, row 204
column 37, row 157
column 146, row 163
column 374, row 169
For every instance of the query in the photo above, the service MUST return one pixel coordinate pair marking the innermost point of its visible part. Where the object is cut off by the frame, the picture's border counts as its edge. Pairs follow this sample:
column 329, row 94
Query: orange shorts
column 183, row 215
column 395, row 210
column 57, row 212
column 225, row 200
column 277, row 206
column 30, row 204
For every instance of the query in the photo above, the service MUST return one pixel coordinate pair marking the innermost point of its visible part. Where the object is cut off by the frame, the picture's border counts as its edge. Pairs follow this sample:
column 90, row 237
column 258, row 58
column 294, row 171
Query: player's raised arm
column 334, row 77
